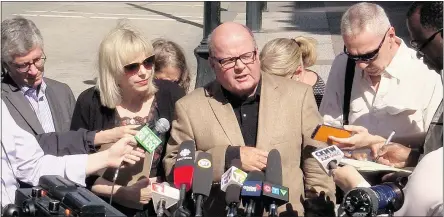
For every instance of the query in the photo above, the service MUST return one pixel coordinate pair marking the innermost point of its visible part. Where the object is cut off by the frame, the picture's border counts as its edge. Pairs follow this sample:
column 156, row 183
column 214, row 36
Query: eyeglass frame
column 253, row 58
column 418, row 49
column 127, row 70
column 28, row 64
column 373, row 54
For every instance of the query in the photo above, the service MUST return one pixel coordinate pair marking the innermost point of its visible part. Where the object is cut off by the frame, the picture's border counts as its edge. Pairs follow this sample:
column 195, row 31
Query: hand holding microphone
column 124, row 150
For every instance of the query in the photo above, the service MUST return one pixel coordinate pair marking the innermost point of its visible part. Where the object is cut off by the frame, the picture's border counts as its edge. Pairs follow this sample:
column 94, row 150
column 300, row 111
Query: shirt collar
column 41, row 88
column 398, row 63
column 234, row 98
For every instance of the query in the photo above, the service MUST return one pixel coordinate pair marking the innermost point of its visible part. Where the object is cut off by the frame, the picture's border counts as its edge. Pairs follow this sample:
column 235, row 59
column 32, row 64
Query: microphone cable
column 114, row 183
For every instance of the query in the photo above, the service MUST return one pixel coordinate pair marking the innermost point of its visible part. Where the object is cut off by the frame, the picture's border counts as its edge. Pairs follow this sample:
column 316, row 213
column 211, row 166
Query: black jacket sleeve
column 67, row 143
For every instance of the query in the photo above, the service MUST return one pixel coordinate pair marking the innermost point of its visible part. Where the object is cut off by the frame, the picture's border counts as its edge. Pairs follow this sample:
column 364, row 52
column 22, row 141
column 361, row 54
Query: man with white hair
column 378, row 82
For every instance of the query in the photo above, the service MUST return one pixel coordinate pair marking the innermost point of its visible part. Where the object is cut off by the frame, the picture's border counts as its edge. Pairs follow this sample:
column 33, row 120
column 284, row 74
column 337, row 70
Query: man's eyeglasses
column 230, row 62
column 38, row 63
column 133, row 68
column 368, row 56
column 418, row 46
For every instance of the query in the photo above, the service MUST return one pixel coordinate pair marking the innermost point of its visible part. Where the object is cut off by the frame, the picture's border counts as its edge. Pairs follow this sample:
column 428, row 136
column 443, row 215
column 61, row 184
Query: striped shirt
column 40, row 105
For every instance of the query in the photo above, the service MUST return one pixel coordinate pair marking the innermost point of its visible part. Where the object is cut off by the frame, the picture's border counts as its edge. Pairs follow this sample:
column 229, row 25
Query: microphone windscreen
column 255, row 176
column 184, row 167
column 186, row 154
column 236, row 163
column 233, row 194
column 162, row 125
column 203, row 174
column 273, row 171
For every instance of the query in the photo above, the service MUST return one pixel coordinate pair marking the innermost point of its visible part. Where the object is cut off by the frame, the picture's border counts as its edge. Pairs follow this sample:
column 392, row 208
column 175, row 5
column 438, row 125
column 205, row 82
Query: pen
column 386, row 143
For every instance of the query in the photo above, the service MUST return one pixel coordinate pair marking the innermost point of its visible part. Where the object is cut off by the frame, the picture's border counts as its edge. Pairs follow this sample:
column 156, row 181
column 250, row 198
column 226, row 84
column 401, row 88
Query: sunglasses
column 368, row 56
column 418, row 46
column 134, row 67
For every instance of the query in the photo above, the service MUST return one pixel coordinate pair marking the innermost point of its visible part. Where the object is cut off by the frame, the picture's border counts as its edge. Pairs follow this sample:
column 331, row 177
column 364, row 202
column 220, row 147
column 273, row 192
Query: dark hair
column 430, row 14
column 169, row 53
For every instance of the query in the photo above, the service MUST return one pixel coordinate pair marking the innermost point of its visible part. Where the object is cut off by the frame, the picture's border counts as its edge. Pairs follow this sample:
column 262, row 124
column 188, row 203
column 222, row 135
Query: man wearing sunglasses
column 391, row 89
column 244, row 114
column 424, row 23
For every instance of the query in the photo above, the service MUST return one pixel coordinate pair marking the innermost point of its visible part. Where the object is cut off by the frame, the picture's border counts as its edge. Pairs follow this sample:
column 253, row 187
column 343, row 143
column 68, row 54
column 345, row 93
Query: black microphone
column 273, row 192
column 183, row 174
column 232, row 198
column 232, row 192
column 202, row 180
column 251, row 193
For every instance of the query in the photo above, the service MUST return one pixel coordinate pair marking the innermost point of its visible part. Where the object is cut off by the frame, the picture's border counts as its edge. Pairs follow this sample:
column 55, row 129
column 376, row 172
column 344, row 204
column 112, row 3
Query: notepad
column 366, row 166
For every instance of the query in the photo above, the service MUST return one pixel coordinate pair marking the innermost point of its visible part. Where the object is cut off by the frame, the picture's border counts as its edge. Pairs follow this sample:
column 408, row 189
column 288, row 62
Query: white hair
column 364, row 17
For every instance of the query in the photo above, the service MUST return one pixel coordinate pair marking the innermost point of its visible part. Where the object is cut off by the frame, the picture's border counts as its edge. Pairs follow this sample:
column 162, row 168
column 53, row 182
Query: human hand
column 359, row 139
column 117, row 133
column 394, row 154
column 124, row 150
column 136, row 195
column 253, row 158
column 347, row 177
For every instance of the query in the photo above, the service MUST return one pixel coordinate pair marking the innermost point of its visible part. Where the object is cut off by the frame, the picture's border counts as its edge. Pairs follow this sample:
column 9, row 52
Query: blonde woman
column 126, row 96
column 290, row 58
column 171, row 63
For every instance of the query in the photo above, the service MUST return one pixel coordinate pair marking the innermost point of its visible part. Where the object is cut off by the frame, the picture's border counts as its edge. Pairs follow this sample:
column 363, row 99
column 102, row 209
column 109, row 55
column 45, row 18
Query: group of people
column 260, row 100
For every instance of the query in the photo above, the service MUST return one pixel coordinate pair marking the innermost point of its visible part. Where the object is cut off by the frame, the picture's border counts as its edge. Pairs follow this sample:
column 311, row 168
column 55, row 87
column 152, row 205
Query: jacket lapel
column 54, row 106
column 13, row 94
column 224, row 114
column 268, row 108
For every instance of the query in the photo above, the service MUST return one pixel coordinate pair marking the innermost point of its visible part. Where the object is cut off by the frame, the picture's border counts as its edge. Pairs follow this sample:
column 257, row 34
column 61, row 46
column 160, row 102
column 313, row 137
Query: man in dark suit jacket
column 38, row 105
column 244, row 114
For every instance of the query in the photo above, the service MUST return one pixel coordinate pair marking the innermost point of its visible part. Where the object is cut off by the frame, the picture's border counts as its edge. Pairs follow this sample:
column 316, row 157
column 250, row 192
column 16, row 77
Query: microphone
column 164, row 197
column 233, row 176
column 275, row 194
column 149, row 138
column 202, row 180
column 232, row 199
column 328, row 158
column 252, row 191
column 183, row 174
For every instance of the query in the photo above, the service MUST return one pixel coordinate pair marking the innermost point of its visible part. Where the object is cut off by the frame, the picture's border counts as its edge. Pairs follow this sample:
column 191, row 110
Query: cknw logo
column 184, row 152
column 275, row 190
column 267, row 189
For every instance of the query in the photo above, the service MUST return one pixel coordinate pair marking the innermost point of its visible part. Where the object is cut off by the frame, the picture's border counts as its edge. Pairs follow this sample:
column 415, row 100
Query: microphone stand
column 273, row 210
column 250, row 208
column 199, row 200
column 161, row 208
column 232, row 210
column 181, row 211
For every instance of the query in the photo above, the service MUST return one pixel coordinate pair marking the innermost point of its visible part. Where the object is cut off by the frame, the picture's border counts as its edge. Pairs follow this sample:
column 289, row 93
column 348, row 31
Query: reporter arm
column 103, row 187
column 67, row 143
column 104, row 137
column 315, row 177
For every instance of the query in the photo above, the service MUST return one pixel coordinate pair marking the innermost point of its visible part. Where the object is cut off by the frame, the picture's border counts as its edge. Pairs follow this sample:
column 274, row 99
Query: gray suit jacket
column 60, row 98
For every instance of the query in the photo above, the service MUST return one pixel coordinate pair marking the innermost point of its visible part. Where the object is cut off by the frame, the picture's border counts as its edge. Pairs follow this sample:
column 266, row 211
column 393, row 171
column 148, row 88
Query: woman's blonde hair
column 282, row 56
column 120, row 47
column 169, row 53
